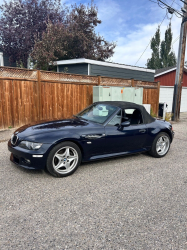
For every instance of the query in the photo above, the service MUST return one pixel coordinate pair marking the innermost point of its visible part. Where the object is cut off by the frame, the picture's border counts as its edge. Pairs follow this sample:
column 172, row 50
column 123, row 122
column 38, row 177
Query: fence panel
column 63, row 100
column 28, row 95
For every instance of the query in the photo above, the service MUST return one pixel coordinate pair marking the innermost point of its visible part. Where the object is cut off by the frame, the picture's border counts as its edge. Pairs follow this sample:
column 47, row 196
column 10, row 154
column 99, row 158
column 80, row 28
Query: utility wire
column 183, row 1
column 179, row 5
column 149, row 42
column 175, row 40
column 171, row 8
column 160, row 5
column 151, row 38
column 152, row 1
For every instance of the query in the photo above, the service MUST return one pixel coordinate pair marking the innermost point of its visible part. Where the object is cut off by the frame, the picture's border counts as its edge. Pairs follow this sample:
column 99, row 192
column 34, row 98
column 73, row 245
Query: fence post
column 12, row 105
column 158, row 95
column 99, row 80
column 132, row 82
column 39, row 94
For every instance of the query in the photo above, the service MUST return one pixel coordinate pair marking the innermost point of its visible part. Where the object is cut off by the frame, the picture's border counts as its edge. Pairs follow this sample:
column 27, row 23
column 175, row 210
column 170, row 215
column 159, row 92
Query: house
column 4, row 60
column 166, row 77
column 108, row 69
column 1, row 59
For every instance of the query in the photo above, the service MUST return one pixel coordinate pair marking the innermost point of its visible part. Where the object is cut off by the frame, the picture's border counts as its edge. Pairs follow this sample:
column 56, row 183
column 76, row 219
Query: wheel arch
column 167, row 132
column 68, row 140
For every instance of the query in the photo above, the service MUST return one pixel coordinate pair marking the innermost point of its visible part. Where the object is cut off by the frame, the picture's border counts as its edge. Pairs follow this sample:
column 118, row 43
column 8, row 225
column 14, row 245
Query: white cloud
column 130, row 48
column 108, row 9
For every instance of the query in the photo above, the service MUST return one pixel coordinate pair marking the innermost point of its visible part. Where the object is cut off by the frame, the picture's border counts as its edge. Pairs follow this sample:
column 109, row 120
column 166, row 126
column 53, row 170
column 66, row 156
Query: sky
column 132, row 24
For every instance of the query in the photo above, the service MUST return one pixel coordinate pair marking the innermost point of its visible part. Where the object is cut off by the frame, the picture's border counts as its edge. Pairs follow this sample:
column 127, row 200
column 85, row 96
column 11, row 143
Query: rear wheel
column 161, row 145
column 64, row 159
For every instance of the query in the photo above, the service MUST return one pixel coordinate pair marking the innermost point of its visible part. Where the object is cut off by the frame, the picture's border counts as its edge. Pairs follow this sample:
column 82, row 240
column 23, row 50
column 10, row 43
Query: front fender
column 57, row 137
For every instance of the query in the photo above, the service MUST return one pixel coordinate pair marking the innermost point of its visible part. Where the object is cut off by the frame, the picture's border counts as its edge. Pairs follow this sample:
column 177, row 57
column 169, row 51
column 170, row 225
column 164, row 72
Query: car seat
column 136, row 117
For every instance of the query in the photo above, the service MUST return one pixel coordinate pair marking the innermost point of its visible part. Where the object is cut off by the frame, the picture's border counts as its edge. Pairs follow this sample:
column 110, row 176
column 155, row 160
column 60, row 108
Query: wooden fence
column 30, row 95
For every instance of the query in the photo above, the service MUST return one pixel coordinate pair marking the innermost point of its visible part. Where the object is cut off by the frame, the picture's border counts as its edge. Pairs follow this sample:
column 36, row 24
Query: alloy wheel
column 162, row 145
column 65, row 160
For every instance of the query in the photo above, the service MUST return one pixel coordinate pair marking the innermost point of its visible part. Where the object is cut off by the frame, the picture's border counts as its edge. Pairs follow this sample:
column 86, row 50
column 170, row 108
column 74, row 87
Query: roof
column 130, row 105
column 164, row 71
column 107, row 64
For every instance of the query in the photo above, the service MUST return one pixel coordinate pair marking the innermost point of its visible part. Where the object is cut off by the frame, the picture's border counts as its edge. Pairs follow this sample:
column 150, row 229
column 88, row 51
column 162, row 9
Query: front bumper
column 24, row 158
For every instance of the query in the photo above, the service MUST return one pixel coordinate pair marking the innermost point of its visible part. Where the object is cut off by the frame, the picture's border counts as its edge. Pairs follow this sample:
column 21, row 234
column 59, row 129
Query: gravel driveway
column 133, row 202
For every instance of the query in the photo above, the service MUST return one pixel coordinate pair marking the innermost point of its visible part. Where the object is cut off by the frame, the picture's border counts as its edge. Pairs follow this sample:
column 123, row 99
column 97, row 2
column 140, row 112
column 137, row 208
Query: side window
column 132, row 115
column 116, row 121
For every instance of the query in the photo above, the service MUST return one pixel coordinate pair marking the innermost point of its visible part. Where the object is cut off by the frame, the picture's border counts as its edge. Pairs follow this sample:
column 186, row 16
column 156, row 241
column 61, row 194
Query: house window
column 1, row 59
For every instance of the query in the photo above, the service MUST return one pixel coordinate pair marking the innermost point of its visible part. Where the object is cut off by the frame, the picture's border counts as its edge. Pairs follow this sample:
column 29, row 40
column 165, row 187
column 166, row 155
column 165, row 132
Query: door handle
column 142, row 131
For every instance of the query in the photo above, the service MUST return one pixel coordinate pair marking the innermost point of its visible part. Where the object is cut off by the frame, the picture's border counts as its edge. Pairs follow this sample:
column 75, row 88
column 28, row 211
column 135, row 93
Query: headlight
column 30, row 145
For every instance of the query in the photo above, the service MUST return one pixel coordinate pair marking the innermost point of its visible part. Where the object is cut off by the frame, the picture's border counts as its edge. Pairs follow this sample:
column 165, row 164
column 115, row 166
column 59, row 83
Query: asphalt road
column 134, row 202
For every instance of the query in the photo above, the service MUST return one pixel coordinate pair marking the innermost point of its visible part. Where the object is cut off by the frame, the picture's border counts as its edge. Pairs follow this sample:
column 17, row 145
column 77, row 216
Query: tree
column 167, row 56
column 21, row 21
column 51, row 46
column 155, row 62
column 76, row 38
column 162, row 55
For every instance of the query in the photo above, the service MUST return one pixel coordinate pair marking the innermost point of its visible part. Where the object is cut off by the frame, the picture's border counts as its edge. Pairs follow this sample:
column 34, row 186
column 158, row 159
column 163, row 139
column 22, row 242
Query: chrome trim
column 93, row 136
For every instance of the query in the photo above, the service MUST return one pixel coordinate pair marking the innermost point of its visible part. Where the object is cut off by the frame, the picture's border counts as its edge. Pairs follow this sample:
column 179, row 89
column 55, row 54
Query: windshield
column 97, row 113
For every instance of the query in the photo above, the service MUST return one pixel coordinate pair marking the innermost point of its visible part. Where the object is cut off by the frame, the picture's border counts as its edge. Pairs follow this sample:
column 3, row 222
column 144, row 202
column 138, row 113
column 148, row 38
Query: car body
column 102, row 130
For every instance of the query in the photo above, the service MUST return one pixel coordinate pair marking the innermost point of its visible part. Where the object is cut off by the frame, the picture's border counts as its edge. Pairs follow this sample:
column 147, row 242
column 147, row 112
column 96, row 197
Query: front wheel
column 161, row 145
column 64, row 159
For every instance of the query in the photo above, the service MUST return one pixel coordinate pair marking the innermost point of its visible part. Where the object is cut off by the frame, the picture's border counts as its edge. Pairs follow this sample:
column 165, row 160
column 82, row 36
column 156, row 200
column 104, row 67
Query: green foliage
column 168, row 116
column 20, row 64
column 152, row 113
column 75, row 38
column 155, row 62
column 167, row 56
column 162, row 55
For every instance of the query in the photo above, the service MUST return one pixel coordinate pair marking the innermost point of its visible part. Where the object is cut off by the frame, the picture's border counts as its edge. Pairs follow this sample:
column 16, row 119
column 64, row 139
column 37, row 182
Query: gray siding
column 96, row 70
column 81, row 68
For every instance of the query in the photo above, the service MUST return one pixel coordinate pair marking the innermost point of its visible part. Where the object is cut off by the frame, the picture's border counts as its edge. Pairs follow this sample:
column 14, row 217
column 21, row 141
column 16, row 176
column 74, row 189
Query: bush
column 168, row 117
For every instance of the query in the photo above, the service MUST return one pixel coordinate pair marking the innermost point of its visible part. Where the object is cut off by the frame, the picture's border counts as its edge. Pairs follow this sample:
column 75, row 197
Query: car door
column 118, row 139
column 93, row 140
column 124, row 139
column 139, row 136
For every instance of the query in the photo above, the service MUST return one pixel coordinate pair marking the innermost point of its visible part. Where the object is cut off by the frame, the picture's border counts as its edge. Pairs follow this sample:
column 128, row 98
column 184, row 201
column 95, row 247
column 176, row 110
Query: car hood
column 50, row 126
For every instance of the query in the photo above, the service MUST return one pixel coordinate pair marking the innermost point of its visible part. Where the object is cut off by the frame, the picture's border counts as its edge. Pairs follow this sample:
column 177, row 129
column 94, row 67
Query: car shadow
column 105, row 160
column 27, row 171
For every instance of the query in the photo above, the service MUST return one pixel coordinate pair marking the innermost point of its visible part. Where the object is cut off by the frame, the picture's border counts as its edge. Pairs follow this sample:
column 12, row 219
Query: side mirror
column 125, row 124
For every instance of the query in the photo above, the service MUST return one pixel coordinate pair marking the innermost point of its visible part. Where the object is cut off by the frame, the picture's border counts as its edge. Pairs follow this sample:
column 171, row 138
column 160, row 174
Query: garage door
column 166, row 95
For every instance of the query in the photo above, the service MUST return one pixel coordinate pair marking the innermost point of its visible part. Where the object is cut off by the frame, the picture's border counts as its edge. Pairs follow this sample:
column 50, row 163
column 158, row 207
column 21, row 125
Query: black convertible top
column 130, row 105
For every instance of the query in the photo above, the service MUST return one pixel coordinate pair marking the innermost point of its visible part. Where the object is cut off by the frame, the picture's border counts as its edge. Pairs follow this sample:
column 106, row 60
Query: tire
column 64, row 159
column 160, row 146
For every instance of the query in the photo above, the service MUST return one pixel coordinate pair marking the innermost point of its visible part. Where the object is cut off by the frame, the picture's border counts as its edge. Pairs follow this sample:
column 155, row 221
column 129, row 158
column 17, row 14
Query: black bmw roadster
column 102, row 130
